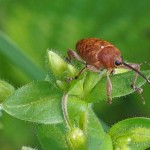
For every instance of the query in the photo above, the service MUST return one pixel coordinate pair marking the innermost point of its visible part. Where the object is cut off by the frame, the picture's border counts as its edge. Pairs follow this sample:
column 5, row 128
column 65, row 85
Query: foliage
column 36, row 26
column 73, row 124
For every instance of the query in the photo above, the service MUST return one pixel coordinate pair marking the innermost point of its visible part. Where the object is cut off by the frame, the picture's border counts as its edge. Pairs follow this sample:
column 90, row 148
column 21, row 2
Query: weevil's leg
column 92, row 68
column 87, row 67
column 80, row 72
column 135, row 66
column 73, row 54
column 112, row 72
column 134, row 87
column 108, row 88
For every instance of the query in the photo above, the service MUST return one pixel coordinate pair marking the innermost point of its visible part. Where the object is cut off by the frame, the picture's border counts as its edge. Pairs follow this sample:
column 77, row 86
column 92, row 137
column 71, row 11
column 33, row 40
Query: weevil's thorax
column 98, row 53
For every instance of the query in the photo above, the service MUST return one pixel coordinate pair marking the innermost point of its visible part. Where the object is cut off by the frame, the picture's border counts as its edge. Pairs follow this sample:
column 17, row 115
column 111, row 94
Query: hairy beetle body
column 98, row 53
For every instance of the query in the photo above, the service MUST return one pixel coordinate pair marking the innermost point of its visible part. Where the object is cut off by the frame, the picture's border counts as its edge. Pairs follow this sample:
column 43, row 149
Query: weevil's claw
column 112, row 72
column 109, row 100
column 68, row 60
column 68, row 79
column 139, row 90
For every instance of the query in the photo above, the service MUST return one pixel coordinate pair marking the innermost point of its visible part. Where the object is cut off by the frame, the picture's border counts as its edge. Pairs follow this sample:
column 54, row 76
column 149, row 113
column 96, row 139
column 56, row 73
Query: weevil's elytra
column 97, row 55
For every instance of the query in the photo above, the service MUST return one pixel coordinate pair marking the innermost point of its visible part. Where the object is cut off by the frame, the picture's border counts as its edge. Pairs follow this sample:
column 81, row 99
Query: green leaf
column 5, row 90
column 96, row 137
column 37, row 102
column 52, row 137
column 133, row 133
column 106, row 143
column 121, row 84
column 16, row 56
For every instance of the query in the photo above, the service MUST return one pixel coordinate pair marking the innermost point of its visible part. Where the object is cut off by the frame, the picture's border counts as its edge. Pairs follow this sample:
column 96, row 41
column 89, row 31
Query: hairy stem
column 65, row 111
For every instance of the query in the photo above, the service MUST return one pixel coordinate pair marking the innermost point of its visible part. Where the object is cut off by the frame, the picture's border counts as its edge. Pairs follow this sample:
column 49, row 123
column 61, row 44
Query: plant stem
column 65, row 111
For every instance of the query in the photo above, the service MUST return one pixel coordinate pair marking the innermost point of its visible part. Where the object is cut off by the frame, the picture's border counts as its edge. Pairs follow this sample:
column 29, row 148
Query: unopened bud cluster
column 76, row 138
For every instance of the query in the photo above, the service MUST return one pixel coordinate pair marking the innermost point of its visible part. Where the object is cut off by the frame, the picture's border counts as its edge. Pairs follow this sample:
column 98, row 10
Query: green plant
column 63, row 111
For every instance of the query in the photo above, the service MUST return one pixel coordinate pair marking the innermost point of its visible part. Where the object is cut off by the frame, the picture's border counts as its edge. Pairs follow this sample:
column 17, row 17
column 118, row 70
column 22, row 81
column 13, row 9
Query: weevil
column 96, row 55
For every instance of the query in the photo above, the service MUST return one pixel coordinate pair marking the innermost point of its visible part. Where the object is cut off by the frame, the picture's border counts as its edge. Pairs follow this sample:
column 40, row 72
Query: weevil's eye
column 118, row 62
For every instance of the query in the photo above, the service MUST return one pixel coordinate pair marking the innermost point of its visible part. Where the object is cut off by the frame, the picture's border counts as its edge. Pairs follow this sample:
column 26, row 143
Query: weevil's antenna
column 142, row 75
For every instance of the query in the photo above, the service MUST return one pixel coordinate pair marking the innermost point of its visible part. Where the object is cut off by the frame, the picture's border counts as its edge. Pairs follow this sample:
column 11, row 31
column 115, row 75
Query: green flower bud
column 5, row 90
column 58, row 66
column 76, row 139
column 27, row 148
column 61, row 84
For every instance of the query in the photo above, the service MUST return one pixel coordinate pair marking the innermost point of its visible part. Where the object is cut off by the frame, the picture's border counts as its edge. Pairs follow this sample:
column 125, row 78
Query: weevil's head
column 118, row 61
column 110, row 57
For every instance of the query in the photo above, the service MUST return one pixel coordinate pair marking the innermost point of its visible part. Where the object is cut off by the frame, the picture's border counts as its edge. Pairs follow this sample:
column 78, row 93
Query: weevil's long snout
column 142, row 75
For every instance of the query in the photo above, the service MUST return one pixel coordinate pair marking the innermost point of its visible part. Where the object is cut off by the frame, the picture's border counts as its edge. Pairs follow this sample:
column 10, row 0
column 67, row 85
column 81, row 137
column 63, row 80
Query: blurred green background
column 58, row 24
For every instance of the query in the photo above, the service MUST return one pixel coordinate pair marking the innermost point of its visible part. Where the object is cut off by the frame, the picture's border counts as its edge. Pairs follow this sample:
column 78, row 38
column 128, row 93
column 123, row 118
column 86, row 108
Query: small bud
column 56, row 63
column 5, row 90
column 61, row 84
column 27, row 148
column 58, row 66
column 76, row 139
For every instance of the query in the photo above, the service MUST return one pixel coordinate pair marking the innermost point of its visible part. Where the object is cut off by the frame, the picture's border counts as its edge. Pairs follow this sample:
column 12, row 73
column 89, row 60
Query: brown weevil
column 97, row 54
